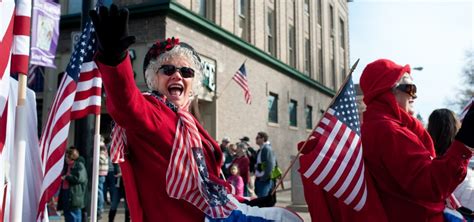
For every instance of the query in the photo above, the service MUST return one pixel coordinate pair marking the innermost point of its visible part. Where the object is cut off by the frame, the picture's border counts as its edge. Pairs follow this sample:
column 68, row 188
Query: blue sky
column 433, row 34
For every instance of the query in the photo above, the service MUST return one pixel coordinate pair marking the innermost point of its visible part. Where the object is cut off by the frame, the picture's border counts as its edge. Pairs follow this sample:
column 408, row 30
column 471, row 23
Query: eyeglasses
column 169, row 70
column 410, row 89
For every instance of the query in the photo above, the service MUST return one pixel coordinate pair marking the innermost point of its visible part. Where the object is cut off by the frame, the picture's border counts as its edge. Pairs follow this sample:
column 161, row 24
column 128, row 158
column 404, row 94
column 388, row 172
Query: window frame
column 308, row 112
column 273, row 108
column 293, row 113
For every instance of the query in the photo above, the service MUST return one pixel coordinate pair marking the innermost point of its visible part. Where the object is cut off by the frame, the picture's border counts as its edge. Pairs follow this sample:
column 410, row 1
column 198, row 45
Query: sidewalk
column 283, row 200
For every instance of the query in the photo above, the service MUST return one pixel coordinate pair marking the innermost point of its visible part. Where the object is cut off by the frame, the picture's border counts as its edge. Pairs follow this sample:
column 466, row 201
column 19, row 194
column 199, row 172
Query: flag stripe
column 23, row 29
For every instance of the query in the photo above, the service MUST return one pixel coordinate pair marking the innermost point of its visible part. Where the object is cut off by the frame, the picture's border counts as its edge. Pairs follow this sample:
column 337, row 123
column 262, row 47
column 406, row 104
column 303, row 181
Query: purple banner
column 44, row 32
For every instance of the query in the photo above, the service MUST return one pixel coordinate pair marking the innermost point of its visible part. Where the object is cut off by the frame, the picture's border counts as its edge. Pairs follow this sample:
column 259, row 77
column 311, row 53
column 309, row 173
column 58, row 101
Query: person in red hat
column 411, row 181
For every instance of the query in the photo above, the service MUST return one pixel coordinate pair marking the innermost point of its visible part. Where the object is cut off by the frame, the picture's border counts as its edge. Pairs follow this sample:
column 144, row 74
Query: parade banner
column 45, row 32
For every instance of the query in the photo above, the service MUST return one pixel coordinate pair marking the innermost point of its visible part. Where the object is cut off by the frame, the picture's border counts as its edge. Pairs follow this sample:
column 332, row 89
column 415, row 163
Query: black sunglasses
column 169, row 70
column 410, row 89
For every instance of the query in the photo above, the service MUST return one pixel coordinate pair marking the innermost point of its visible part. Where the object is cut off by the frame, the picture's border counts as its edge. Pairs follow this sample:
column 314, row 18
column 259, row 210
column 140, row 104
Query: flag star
column 83, row 51
column 73, row 66
column 81, row 58
column 83, row 43
column 199, row 156
column 89, row 47
column 83, row 36
column 201, row 168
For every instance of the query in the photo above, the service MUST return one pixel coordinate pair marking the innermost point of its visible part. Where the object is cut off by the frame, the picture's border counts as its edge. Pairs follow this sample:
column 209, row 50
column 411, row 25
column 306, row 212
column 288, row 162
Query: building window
column 321, row 65
column 342, row 39
column 306, row 6
column 291, row 46
column 206, row 9
column 342, row 33
column 273, row 108
column 244, row 23
column 74, row 7
column 332, row 53
column 243, row 7
column 308, row 112
column 333, row 72
column 307, row 57
column 271, row 42
column 292, row 108
column 320, row 12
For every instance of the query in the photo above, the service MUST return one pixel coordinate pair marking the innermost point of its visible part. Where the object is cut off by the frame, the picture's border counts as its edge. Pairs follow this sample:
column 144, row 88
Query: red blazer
column 150, row 128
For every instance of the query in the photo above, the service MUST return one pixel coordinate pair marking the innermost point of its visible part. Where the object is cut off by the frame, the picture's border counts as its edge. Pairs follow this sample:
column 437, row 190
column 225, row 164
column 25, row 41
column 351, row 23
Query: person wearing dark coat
column 73, row 186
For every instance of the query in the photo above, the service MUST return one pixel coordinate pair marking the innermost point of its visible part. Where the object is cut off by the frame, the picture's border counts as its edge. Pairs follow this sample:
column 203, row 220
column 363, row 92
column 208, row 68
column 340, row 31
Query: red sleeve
column 410, row 164
column 125, row 103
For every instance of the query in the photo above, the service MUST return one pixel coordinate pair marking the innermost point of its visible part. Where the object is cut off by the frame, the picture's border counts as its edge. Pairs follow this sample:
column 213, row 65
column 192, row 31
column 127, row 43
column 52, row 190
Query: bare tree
column 466, row 90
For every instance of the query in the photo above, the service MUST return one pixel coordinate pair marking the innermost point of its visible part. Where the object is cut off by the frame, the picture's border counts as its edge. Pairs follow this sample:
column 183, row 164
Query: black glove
column 112, row 34
column 466, row 133
column 266, row 201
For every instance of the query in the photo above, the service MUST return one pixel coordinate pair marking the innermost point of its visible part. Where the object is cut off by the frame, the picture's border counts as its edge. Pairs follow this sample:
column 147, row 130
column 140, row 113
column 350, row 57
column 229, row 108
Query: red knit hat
column 379, row 77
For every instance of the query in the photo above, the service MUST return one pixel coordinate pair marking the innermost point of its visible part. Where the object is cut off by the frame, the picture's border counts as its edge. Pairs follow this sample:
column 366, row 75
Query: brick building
column 295, row 52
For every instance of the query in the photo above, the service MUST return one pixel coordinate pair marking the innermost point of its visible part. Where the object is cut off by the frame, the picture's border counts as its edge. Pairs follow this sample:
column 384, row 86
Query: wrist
column 111, row 59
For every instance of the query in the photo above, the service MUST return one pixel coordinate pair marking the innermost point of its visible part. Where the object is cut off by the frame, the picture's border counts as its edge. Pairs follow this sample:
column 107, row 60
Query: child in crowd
column 236, row 180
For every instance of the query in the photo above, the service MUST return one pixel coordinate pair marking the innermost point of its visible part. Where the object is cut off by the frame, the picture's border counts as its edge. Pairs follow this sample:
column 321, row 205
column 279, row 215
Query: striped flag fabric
column 240, row 78
column 336, row 162
column 193, row 184
column 118, row 143
column 78, row 95
column 88, row 92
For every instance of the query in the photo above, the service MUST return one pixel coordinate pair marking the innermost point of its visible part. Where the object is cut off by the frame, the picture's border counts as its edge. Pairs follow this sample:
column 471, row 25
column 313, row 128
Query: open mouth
column 175, row 89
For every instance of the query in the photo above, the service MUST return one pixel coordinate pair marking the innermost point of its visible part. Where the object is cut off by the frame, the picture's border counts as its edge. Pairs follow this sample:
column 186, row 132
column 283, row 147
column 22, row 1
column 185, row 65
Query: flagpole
column 95, row 169
column 228, row 82
column 20, row 151
column 280, row 182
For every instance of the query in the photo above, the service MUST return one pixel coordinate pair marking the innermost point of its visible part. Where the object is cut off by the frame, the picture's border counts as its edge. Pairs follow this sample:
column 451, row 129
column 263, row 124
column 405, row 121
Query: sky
column 433, row 34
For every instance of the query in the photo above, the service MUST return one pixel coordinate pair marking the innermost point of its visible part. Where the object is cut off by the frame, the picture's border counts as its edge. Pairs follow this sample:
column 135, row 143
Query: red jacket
column 150, row 128
column 398, row 154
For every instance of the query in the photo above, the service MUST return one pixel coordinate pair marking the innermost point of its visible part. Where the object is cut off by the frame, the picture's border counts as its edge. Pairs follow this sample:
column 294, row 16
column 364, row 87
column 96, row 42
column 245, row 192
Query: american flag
column 336, row 162
column 78, row 95
column 241, row 78
column 14, row 47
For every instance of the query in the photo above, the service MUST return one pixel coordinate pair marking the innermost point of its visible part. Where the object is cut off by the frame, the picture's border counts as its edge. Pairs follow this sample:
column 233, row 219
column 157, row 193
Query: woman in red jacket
column 411, row 181
column 172, row 165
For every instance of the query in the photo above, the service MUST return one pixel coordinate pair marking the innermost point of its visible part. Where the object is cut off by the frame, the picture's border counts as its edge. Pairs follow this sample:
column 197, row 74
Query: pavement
column 283, row 200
